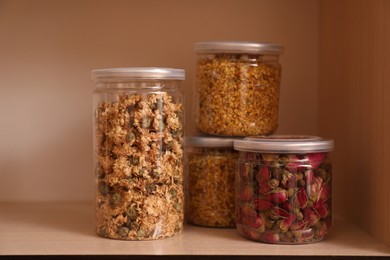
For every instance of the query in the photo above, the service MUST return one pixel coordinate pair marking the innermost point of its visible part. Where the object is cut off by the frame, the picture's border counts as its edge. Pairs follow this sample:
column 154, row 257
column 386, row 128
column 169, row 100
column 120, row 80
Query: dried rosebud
column 286, row 223
column 303, row 236
column 252, row 219
column 263, row 175
column 293, row 163
column 310, row 216
column 315, row 189
column 322, row 231
column 302, row 197
column 263, row 204
column 298, row 225
column 264, row 189
column 277, row 213
column 270, row 237
column 325, row 193
column 278, row 196
column 246, row 193
column 315, row 159
column 321, row 208
column 286, row 206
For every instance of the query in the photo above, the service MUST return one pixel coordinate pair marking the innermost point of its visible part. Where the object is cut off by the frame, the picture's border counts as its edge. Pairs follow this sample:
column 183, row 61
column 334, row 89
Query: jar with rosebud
column 284, row 189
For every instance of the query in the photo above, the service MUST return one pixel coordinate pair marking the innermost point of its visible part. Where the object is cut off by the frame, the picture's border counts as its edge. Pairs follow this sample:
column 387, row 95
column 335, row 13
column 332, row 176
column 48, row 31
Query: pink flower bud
column 277, row 213
column 315, row 159
column 321, row 208
column 286, row 223
column 298, row 225
column 325, row 193
column 293, row 164
column 263, row 176
column 310, row 217
column 278, row 196
column 302, row 197
column 263, row 204
column 270, row 237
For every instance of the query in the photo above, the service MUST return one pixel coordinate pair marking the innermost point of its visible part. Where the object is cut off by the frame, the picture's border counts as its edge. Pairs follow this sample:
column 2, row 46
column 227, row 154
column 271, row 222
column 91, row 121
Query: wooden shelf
column 68, row 229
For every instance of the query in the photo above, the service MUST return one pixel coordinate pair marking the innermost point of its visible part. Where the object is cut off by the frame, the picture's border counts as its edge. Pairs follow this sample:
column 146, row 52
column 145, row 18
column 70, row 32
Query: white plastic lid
column 284, row 144
column 205, row 141
column 138, row 73
column 238, row 47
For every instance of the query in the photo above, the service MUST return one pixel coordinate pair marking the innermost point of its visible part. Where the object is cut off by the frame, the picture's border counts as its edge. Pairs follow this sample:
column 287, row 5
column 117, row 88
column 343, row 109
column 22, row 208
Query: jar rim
column 284, row 144
column 208, row 141
column 138, row 73
column 238, row 47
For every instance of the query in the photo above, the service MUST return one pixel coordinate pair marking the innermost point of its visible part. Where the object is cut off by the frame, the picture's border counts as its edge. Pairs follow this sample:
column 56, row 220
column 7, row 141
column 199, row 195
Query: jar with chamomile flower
column 138, row 152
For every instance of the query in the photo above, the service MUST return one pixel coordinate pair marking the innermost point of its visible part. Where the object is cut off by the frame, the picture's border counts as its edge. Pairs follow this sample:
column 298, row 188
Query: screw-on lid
column 284, row 144
column 205, row 141
column 238, row 47
column 138, row 73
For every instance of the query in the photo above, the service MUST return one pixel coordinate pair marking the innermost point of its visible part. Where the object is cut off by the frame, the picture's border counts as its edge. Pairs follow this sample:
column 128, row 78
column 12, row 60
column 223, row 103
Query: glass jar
column 138, row 146
column 284, row 189
column 237, row 88
column 212, row 166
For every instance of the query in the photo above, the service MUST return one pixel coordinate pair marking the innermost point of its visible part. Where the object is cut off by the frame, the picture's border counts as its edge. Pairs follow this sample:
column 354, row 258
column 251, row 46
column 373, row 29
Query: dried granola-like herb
column 285, row 198
column 238, row 95
column 139, row 156
column 211, row 174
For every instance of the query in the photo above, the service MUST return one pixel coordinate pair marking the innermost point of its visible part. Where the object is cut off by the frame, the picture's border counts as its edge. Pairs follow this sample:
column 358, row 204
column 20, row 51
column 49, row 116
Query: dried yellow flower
column 238, row 95
column 211, row 174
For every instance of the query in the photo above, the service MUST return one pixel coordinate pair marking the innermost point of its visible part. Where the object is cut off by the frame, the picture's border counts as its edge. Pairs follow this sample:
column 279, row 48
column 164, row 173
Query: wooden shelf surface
column 68, row 229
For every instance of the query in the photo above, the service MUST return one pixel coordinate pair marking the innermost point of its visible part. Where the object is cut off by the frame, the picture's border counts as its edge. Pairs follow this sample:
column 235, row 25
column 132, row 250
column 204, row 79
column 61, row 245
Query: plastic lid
column 138, row 73
column 284, row 144
column 204, row 141
column 238, row 47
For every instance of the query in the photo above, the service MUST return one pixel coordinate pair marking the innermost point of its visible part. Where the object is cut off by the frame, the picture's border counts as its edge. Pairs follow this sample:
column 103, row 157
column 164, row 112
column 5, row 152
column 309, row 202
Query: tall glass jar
column 211, row 169
column 284, row 189
column 237, row 88
column 138, row 146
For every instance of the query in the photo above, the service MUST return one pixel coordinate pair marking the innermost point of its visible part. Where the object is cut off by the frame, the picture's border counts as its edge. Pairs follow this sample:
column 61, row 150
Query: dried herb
column 284, row 198
column 238, row 95
column 211, row 187
column 139, row 166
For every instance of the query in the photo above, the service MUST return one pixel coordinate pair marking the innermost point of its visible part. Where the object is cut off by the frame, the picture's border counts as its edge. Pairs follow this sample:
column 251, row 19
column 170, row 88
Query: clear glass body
column 210, row 191
column 138, row 132
column 237, row 94
column 284, row 198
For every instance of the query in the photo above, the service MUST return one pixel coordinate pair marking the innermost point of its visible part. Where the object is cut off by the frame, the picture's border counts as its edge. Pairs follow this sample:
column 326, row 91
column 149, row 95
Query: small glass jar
column 138, row 147
column 284, row 189
column 212, row 166
column 237, row 88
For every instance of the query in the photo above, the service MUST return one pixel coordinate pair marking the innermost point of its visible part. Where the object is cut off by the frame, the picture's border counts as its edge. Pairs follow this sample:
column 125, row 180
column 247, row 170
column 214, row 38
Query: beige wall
column 47, row 49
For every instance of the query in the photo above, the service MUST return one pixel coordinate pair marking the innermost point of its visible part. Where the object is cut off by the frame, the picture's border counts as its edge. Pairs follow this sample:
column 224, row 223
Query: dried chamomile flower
column 139, row 141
